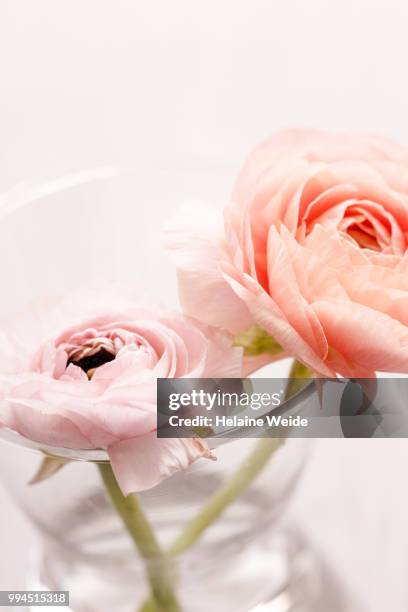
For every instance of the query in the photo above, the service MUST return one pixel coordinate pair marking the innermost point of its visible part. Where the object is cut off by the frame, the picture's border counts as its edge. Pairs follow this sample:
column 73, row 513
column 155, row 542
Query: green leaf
column 256, row 341
column 49, row 466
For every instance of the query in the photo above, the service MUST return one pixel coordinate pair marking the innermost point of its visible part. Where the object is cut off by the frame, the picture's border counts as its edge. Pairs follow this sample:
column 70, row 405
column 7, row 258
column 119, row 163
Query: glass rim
column 26, row 193
column 29, row 191
column 289, row 407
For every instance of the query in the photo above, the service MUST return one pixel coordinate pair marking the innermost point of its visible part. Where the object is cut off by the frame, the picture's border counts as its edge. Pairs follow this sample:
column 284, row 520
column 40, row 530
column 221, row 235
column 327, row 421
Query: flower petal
column 195, row 240
column 362, row 340
column 141, row 463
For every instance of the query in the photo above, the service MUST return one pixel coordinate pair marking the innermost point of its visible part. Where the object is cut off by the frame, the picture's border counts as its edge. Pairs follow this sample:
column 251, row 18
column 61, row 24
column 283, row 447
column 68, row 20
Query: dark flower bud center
column 91, row 362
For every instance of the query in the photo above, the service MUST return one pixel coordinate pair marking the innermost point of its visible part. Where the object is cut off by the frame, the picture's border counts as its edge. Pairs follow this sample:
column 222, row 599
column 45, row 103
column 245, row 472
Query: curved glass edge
column 290, row 406
column 93, row 455
column 26, row 193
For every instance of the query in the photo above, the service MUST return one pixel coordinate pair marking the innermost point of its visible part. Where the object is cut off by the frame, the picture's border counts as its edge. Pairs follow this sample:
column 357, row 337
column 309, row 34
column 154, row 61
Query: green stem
column 238, row 484
column 299, row 374
column 243, row 476
column 240, row 481
column 130, row 510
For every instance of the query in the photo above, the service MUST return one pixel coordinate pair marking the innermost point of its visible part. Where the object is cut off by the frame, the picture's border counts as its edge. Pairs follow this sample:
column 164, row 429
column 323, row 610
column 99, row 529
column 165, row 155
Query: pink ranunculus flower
column 312, row 248
column 81, row 374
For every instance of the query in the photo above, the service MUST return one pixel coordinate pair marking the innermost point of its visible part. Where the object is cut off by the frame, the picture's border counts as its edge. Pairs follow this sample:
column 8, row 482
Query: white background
column 90, row 82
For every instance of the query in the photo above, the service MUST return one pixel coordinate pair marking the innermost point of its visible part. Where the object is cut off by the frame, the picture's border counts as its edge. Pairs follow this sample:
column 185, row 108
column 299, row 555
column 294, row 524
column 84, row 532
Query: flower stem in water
column 131, row 512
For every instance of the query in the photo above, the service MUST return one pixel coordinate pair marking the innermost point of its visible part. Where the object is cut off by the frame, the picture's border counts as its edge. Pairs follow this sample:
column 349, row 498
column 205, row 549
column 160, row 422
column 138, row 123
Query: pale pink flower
column 312, row 248
column 81, row 374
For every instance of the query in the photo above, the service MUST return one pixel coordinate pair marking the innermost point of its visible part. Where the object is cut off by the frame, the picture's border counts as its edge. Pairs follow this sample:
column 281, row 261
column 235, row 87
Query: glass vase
column 103, row 227
column 240, row 559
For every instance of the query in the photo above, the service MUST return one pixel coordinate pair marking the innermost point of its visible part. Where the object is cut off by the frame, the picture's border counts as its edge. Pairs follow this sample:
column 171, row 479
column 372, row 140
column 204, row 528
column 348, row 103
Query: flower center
column 364, row 238
column 89, row 363
column 369, row 226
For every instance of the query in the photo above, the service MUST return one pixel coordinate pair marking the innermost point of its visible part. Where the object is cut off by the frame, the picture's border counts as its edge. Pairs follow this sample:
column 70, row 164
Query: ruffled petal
column 142, row 463
column 361, row 339
column 195, row 239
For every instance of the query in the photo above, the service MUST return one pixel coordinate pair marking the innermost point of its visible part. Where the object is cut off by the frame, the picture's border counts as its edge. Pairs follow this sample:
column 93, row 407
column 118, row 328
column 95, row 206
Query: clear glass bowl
column 103, row 227
column 240, row 561
column 100, row 226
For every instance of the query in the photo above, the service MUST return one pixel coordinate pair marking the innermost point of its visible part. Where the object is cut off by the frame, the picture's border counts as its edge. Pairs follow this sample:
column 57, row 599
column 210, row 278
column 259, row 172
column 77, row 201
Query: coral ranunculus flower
column 82, row 374
column 312, row 249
